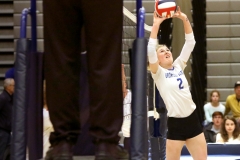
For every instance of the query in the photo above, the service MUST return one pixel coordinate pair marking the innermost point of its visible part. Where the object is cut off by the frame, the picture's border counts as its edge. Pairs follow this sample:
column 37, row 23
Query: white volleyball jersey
column 174, row 89
column 127, row 113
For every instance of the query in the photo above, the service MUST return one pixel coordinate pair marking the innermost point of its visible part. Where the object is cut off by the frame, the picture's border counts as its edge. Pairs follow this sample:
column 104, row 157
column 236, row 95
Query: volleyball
column 165, row 8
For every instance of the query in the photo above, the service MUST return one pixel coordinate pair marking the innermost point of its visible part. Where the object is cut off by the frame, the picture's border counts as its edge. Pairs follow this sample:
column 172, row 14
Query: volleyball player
column 184, row 126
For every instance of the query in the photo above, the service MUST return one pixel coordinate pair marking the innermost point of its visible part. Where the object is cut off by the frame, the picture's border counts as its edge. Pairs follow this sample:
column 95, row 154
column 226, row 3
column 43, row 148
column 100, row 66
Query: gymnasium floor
column 215, row 157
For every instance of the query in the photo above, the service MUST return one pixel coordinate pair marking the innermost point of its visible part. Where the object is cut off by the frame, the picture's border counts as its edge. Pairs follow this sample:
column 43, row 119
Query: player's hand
column 157, row 19
column 179, row 14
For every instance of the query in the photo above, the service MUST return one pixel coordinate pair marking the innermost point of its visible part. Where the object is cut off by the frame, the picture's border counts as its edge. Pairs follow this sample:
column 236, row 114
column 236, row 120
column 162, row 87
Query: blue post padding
column 19, row 137
column 139, row 100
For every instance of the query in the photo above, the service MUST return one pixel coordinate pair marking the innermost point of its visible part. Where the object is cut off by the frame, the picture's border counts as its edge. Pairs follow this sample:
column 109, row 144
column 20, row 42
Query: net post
column 33, row 26
column 138, row 7
column 139, row 136
column 23, row 27
column 140, row 24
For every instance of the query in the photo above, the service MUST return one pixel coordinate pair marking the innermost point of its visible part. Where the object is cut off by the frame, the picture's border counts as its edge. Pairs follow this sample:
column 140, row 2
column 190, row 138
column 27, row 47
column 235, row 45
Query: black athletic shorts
column 184, row 128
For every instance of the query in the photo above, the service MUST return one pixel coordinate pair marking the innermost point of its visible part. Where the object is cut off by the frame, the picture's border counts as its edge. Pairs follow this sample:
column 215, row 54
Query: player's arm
column 189, row 37
column 183, row 17
column 153, row 42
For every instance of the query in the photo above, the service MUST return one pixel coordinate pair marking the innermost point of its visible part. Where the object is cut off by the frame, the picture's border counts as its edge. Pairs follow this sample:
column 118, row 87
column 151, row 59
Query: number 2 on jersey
column 180, row 84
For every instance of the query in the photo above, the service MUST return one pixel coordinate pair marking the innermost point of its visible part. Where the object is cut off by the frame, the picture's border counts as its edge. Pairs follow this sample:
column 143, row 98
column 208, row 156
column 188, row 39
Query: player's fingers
column 155, row 14
column 178, row 8
column 176, row 14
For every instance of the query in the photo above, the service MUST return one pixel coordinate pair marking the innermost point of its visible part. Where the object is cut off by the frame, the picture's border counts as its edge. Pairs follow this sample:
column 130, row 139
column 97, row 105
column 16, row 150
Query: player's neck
column 167, row 66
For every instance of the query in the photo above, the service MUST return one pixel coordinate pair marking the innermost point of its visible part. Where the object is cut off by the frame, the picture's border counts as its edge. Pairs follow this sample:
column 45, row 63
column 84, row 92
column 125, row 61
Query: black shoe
column 61, row 151
column 108, row 151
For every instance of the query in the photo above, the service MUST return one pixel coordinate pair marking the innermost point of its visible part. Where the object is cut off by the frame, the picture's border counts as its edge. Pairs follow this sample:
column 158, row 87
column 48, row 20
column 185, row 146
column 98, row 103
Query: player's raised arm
column 189, row 37
column 153, row 42
column 184, row 18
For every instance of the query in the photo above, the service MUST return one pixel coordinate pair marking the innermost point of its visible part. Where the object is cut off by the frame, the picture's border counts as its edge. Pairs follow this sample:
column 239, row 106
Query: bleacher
column 6, row 38
column 223, row 49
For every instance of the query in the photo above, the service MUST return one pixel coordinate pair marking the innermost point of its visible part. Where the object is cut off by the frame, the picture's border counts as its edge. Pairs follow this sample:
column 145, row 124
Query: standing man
column 213, row 128
column 63, row 21
column 6, row 102
column 233, row 103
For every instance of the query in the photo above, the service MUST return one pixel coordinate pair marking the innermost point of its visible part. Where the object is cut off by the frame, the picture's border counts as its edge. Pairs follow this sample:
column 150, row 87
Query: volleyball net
column 129, row 35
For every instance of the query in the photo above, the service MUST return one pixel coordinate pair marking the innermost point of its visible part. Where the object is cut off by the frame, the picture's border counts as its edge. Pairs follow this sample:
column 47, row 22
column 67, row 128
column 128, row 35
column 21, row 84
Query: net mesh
column 129, row 35
column 129, row 29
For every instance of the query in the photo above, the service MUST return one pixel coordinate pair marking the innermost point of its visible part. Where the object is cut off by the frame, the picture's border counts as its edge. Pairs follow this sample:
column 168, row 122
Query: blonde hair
column 159, row 46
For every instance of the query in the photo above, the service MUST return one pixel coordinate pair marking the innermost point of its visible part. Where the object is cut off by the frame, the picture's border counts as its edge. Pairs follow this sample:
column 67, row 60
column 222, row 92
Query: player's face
column 215, row 97
column 164, row 56
column 229, row 126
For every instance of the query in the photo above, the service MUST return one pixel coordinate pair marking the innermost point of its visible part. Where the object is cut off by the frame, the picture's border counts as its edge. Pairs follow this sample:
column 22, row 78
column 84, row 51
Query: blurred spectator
column 233, row 103
column 127, row 112
column 211, row 130
column 213, row 106
column 230, row 132
column 6, row 102
column 47, row 129
column 47, row 125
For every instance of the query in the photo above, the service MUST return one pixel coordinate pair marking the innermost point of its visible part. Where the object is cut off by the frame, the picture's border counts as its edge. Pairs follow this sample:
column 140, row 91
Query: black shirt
column 5, row 111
